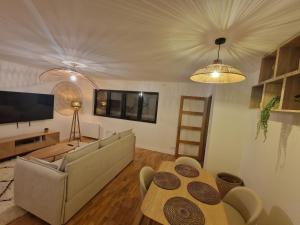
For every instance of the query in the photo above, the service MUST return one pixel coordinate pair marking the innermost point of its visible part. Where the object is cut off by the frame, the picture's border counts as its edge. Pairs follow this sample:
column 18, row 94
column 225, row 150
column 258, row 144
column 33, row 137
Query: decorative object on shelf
column 265, row 115
column 75, row 127
column 64, row 94
column 218, row 73
column 70, row 72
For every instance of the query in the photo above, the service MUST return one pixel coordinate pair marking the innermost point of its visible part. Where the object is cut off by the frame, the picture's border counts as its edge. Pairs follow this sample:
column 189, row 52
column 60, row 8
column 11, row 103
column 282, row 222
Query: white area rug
column 8, row 210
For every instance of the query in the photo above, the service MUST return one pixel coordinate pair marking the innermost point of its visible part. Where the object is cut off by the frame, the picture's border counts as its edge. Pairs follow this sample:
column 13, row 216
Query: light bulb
column 215, row 74
column 73, row 78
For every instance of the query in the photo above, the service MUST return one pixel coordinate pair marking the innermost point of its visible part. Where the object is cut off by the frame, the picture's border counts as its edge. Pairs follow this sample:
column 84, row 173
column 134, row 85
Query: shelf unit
column 279, row 76
column 22, row 144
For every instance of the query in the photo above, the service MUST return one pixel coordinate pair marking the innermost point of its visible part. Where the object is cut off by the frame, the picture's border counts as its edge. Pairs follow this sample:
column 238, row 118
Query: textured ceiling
column 143, row 39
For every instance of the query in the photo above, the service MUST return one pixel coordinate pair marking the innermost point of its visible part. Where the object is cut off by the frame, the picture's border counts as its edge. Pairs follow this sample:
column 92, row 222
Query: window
column 129, row 105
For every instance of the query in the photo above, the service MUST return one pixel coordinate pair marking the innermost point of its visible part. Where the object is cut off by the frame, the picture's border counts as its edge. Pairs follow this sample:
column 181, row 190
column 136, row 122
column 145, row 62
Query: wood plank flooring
column 118, row 203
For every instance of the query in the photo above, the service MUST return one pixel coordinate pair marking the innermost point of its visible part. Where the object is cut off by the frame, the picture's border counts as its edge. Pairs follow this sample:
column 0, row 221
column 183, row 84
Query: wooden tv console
column 20, row 144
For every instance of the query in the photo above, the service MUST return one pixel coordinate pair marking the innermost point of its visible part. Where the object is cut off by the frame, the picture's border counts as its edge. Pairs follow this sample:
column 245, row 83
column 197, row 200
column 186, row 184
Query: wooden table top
column 156, row 197
column 53, row 150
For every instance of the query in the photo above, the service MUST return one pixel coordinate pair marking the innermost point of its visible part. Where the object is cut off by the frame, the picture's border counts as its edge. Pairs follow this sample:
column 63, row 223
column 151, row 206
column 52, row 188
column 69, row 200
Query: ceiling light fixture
column 73, row 78
column 70, row 72
column 218, row 73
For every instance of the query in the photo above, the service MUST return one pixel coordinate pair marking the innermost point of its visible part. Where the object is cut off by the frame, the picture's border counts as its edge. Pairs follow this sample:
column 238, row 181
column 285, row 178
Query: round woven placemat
column 166, row 180
column 181, row 211
column 204, row 193
column 186, row 170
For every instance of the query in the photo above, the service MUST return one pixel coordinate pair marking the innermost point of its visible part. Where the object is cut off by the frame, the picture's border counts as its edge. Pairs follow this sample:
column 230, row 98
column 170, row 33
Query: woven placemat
column 186, row 170
column 166, row 180
column 181, row 211
column 204, row 193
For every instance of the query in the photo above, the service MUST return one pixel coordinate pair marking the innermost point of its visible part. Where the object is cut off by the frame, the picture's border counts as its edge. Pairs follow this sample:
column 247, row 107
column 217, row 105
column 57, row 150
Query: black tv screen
column 23, row 107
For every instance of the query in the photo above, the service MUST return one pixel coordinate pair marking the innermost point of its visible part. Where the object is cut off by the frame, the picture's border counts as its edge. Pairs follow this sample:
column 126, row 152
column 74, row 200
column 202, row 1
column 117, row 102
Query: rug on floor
column 8, row 210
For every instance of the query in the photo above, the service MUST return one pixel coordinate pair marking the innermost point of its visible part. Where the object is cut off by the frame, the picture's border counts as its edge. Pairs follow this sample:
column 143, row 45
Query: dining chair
column 242, row 206
column 146, row 177
column 188, row 161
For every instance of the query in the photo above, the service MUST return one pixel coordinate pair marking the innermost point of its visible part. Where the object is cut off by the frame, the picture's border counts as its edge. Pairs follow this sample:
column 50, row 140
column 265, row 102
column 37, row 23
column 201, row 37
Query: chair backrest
column 188, row 161
column 146, row 177
column 246, row 202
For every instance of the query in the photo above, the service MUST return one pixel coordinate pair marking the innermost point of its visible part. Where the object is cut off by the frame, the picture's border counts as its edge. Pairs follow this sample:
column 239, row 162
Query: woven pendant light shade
column 218, row 73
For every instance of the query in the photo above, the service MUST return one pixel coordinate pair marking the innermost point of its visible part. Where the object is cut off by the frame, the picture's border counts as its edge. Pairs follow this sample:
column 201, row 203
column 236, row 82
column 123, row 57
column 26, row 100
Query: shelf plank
column 194, row 98
column 189, row 142
column 190, row 128
column 192, row 113
column 185, row 155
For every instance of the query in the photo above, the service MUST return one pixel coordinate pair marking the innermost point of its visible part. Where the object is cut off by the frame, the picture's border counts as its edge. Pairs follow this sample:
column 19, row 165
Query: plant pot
column 227, row 181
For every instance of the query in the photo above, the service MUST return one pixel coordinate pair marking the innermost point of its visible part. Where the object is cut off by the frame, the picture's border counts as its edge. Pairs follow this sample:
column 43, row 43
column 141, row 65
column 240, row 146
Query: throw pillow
column 44, row 163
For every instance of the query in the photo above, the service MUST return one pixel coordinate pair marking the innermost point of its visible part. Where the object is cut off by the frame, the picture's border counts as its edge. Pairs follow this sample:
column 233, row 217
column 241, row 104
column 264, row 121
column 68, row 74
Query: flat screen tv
column 24, row 107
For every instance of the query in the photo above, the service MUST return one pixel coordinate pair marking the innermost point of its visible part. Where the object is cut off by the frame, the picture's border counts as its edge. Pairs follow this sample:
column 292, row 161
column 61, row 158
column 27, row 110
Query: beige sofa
column 56, row 194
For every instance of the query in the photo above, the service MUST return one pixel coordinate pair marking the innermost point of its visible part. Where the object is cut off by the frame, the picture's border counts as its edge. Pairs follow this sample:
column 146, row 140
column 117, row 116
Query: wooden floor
column 118, row 203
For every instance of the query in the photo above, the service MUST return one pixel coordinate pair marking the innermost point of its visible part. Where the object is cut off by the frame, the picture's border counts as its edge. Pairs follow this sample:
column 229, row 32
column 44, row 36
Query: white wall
column 16, row 77
column 270, row 168
column 59, row 122
column 159, row 137
column 162, row 135
column 229, row 126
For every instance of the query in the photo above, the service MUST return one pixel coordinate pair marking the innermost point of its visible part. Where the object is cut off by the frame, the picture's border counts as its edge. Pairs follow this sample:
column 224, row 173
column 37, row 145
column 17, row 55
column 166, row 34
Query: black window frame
column 123, row 107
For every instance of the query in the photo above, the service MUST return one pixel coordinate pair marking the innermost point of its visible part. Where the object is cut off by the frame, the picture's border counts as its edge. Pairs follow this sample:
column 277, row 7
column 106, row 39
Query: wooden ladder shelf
column 202, row 129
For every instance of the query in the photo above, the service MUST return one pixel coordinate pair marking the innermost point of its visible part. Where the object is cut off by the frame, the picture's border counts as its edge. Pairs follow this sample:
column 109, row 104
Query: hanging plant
column 262, row 124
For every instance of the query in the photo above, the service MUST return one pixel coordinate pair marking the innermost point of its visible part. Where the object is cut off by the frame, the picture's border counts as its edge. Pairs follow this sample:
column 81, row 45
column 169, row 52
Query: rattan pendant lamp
column 218, row 73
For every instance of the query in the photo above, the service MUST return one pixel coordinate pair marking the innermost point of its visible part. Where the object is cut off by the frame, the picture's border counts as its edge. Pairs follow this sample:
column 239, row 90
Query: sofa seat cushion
column 109, row 140
column 233, row 216
column 80, row 151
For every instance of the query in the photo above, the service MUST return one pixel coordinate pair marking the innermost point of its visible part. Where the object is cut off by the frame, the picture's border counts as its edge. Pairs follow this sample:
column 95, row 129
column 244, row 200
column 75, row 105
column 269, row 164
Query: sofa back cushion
column 99, row 163
column 81, row 151
column 109, row 140
column 125, row 133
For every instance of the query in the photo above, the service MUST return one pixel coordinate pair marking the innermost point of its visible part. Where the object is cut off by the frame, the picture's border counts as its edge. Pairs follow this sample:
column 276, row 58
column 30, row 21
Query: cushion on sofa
column 125, row 133
column 44, row 163
column 81, row 151
column 109, row 140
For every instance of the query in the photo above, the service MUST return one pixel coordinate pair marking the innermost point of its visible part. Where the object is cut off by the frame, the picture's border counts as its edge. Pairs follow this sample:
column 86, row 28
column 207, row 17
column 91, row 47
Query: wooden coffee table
column 53, row 152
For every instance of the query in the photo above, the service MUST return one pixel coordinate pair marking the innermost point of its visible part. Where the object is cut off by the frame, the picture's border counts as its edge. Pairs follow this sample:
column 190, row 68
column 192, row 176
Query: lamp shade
column 218, row 73
column 76, row 104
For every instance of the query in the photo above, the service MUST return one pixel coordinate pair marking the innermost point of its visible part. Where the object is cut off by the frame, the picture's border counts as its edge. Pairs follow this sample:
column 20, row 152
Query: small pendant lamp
column 218, row 73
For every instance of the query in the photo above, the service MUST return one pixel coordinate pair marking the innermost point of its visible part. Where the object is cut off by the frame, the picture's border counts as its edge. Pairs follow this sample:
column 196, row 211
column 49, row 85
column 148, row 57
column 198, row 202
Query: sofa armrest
column 40, row 190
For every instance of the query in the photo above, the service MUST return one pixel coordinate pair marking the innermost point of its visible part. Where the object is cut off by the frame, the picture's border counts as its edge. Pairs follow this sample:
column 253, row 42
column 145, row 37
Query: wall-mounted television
column 25, row 107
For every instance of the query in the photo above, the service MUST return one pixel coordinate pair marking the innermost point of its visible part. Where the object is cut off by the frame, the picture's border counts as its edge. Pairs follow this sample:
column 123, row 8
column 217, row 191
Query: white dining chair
column 188, row 161
column 146, row 177
column 242, row 206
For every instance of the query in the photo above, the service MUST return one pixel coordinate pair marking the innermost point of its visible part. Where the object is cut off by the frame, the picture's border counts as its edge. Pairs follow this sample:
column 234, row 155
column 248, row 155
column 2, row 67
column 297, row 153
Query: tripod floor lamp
column 75, row 133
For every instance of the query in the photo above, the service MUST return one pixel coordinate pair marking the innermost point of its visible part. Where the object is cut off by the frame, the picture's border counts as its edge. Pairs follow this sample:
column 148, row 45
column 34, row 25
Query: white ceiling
column 143, row 39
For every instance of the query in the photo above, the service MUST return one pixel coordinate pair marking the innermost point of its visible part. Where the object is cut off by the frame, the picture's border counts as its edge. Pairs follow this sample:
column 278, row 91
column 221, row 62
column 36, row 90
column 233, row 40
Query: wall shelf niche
column 267, row 67
column 279, row 76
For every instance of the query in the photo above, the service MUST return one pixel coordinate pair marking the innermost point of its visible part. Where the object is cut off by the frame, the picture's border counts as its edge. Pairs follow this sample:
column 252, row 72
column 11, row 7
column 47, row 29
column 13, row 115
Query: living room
column 116, row 80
